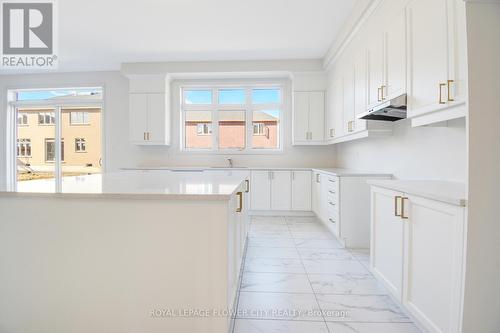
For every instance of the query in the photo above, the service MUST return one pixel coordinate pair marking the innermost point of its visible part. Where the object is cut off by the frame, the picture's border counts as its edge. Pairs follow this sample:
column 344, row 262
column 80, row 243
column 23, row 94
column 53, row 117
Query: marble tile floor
column 298, row 279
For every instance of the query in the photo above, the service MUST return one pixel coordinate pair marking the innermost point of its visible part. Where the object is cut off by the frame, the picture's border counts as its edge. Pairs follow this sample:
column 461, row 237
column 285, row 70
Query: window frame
column 83, row 123
column 80, row 145
column 248, row 107
column 26, row 142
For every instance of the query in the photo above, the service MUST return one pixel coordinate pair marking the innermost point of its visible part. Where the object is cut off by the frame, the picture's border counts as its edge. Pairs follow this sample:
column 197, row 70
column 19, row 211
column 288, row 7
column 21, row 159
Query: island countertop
column 185, row 185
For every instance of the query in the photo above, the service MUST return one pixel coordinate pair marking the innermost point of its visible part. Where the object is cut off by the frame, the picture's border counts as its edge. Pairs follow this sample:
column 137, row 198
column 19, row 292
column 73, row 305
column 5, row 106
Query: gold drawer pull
column 247, row 185
column 396, row 199
column 382, row 92
column 449, row 91
column 240, row 202
column 403, row 208
column 441, row 85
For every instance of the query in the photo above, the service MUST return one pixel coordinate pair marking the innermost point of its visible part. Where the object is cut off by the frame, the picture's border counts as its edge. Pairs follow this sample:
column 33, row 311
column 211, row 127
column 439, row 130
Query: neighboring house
column 198, row 130
column 80, row 134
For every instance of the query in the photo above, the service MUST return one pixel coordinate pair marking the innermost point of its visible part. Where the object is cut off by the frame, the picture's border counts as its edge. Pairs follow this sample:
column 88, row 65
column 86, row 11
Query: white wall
column 411, row 153
column 118, row 153
column 482, row 290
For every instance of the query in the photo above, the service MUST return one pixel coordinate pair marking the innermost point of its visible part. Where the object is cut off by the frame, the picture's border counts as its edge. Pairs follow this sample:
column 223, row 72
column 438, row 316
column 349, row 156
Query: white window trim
column 248, row 107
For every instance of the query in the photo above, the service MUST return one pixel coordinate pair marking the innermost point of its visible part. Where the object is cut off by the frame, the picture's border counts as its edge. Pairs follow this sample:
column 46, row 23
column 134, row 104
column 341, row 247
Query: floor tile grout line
column 312, row 289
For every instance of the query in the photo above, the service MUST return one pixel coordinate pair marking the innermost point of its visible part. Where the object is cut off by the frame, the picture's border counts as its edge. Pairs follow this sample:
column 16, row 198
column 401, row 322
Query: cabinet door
column 375, row 54
column 338, row 108
column 360, row 89
column 428, row 55
column 157, row 123
column 261, row 190
column 281, row 190
column 301, row 190
column 317, row 115
column 433, row 271
column 323, row 205
column 138, row 115
column 387, row 240
column 349, row 99
column 316, row 192
column 300, row 116
column 395, row 57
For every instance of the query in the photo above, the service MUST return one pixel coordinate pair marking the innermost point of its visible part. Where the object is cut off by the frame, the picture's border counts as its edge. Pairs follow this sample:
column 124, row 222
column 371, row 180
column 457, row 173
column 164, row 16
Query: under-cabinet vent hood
column 392, row 110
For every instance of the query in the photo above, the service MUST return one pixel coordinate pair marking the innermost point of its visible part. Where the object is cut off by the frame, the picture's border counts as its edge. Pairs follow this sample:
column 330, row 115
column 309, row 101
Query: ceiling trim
column 361, row 12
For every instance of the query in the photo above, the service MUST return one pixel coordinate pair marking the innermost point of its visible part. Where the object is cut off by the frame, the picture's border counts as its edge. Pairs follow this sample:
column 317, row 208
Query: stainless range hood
column 392, row 110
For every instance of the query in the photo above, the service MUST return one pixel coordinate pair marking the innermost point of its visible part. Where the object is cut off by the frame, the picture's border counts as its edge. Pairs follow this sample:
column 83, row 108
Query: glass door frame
column 57, row 105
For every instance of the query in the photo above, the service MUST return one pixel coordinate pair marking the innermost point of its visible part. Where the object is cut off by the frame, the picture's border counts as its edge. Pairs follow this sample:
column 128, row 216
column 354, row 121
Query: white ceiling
column 101, row 34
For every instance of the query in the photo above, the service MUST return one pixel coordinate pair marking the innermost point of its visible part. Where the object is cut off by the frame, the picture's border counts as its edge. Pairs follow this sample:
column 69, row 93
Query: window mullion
column 57, row 148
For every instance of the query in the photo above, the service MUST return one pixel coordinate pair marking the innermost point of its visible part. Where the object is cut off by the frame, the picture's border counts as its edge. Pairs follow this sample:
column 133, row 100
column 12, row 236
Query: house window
column 23, row 147
column 80, row 145
column 79, row 118
column 203, row 128
column 46, row 118
column 22, row 118
column 236, row 118
column 50, row 150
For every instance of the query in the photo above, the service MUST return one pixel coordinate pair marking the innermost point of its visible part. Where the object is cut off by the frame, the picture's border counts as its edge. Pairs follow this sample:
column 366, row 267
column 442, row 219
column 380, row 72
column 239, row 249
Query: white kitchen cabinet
column 308, row 117
column 433, row 269
column 301, row 190
column 260, row 190
column 387, row 61
column 376, row 63
column 316, row 192
column 342, row 204
column 336, row 108
column 435, row 59
column 149, row 119
column 386, row 245
column 395, row 57
column 417, row 251
column 281, row 190
column 349, row 98
column 360, row 90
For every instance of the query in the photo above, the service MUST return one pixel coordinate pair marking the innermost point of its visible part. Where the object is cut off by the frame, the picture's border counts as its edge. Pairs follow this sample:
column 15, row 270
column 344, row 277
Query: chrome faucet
column 230, row 162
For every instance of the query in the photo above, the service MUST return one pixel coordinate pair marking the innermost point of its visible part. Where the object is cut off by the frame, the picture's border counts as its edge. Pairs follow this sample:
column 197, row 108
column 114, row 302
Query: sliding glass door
column 57, row 138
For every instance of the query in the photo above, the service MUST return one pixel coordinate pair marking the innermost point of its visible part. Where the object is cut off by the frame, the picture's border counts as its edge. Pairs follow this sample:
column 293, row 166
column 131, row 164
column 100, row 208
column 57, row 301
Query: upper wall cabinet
column 148, row 119
column 308, row 117
column 149, row 110
column 436, row 60
column 387, row 61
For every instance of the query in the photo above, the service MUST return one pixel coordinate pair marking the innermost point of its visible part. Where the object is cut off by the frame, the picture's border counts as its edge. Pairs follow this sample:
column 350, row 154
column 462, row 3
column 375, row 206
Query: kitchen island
column 135, row 251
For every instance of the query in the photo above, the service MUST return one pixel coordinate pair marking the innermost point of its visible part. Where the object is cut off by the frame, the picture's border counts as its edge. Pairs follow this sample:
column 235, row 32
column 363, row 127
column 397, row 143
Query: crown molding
column 361, row 12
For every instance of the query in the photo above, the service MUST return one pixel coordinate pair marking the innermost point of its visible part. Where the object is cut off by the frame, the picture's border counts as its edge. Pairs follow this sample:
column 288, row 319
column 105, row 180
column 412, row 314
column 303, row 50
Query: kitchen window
column 80, row 145
column 232, row 119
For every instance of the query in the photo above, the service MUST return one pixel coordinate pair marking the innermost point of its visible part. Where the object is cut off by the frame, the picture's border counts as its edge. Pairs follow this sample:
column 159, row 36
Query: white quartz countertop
column 449, row 192
column 351, row 173
column 334, row 171
column 196, row 185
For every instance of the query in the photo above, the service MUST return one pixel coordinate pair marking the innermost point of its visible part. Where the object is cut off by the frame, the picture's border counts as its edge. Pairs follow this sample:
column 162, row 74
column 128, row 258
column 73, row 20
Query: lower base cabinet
column 417, row 251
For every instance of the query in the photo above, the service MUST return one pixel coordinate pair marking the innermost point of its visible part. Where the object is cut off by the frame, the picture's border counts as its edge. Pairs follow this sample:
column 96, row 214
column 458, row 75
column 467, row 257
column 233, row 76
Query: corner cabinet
column 418, row 252
column 149, row 119
column 308, row 117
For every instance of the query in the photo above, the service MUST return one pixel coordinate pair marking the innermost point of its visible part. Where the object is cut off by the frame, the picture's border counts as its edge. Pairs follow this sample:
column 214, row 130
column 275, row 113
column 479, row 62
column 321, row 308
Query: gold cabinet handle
column 450, row 99
column 332, row 132
column 382, row 92
column 240, row 202
column 247, row 185
column 378, row 94
column 441, row 85
column 396, row 199
column 144, row 136
column 403, row 208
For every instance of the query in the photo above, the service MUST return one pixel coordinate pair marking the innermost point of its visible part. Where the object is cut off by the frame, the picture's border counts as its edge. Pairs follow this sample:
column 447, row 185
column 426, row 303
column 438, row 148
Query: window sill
column 232, row 152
